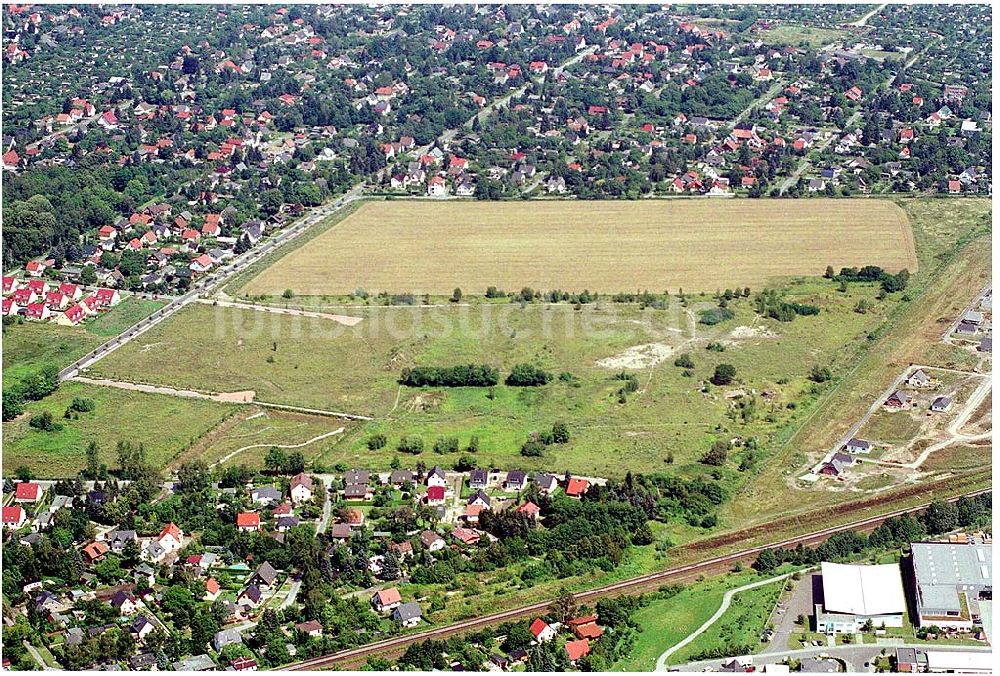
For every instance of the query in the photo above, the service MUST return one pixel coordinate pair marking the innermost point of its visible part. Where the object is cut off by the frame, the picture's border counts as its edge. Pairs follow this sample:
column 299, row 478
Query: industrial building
column 854, row 594
column 950, row 580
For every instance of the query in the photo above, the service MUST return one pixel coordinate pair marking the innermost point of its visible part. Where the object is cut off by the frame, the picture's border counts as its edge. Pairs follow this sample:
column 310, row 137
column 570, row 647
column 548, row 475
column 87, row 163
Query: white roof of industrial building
column 863, row 590
column 961, row 662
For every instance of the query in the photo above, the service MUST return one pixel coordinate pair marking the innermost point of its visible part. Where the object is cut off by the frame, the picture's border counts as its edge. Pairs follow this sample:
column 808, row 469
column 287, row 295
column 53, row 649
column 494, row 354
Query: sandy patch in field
column 244, row 397
column 750, row 332
column 638, row 357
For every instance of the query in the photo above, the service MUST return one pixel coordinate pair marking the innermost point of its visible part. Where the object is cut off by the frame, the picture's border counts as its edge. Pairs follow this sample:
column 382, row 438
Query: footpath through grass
column 666, row 622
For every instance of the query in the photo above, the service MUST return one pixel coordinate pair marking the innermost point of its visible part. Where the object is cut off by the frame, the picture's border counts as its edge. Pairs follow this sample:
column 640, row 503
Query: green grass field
column 741, row 624
column 165, row 424
column 664, row 623
column 318, row 364
column 124, row 315
column 812, row 36
column 29, row 346
column 244, row 439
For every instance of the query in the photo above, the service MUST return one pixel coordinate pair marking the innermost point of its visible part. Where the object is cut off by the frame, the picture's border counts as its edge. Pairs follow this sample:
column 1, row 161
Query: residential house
column 141, row 627
column 407, row 614
column 14, row 517
column 941, row 405
column 515, row 481
column 432, row 541
column 28, row 492
column 301, row 488
column 386, row 600
column 170, row 537
column 478, row 479
column 124, row 602
column 264, row 576
column 577, row 649
column 436, row 477
column 247, row 522
column 542, row 631
column 858, row 446
column 226, row 637
column 898, row 400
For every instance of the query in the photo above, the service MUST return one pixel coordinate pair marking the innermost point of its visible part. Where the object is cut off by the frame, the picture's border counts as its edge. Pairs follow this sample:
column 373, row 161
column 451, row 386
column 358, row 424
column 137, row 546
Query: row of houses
column 66, row 304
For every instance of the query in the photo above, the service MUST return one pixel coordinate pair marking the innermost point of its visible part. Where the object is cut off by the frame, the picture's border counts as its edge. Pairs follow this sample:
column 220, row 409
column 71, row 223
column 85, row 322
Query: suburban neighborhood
column 497, row 338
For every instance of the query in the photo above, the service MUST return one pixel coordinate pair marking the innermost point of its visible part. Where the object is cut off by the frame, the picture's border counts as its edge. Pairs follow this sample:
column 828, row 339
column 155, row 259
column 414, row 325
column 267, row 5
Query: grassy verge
column 31, row 346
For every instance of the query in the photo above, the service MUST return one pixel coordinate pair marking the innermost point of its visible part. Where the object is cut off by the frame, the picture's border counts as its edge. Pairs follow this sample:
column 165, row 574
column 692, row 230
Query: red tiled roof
column 28, row 491
column 577, row 649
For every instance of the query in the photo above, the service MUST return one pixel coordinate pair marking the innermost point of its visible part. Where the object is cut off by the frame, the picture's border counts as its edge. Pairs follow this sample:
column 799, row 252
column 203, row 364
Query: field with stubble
column 429, row 247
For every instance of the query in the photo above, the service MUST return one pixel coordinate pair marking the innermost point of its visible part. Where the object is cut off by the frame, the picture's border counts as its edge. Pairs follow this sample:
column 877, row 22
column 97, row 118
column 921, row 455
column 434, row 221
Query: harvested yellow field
column 608, row 246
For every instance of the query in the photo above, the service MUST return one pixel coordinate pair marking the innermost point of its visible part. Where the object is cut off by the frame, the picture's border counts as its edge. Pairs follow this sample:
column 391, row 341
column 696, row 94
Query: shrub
column 527, row 375
column 715, row 316
column 469, row 375
column 684, row 361
column 820, row 374
column 82, row 405
column 412, row 444
column 45, row 422
column 715, row 347
column 717, row 455
column 532, row 448
column 724, row 374
column 376, row 441
column 446, row 445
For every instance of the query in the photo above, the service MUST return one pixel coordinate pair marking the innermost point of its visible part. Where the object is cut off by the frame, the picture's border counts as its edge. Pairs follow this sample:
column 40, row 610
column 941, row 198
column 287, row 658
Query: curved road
column 727, row 599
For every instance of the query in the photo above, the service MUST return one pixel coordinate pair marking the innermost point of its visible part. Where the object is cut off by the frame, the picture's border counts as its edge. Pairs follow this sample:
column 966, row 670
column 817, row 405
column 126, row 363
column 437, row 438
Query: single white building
column 854, row 594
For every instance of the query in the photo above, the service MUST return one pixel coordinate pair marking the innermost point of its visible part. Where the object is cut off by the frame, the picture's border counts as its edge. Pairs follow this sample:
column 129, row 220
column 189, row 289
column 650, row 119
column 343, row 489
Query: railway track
column 397, row 645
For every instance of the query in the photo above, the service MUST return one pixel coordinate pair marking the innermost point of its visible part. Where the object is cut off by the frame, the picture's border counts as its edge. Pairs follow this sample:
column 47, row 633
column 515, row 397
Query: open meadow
column 245, row 438
column 31, row 346
column 954, row 248
column 165, row 425
column 671, row 414
column 428, row 247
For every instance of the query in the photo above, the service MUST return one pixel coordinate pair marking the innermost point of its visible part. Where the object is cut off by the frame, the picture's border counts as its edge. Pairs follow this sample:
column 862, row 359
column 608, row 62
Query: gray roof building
column 226, row 637
column 950, row 580
column 407, row 612
column 196, row 663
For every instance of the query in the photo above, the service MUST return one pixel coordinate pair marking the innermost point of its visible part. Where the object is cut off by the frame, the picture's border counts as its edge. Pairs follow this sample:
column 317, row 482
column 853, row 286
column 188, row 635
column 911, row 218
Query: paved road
column 213, row 281
column 864, row 20
column 857, row 657
column 973, row 305
column 727, row 598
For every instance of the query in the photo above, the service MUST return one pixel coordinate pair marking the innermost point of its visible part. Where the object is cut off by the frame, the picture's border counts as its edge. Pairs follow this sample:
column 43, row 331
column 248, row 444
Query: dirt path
column 340, row 319
column 229, row 456
column 954, row 429
column 244, row 397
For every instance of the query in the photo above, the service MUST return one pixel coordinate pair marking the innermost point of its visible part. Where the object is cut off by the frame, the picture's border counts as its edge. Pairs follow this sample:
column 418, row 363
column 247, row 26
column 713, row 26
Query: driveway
column 799, row 602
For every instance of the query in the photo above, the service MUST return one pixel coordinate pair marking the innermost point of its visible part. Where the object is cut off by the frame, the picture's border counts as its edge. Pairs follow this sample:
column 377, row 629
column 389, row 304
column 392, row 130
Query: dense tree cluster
column 467, row 375
column 899, row 531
